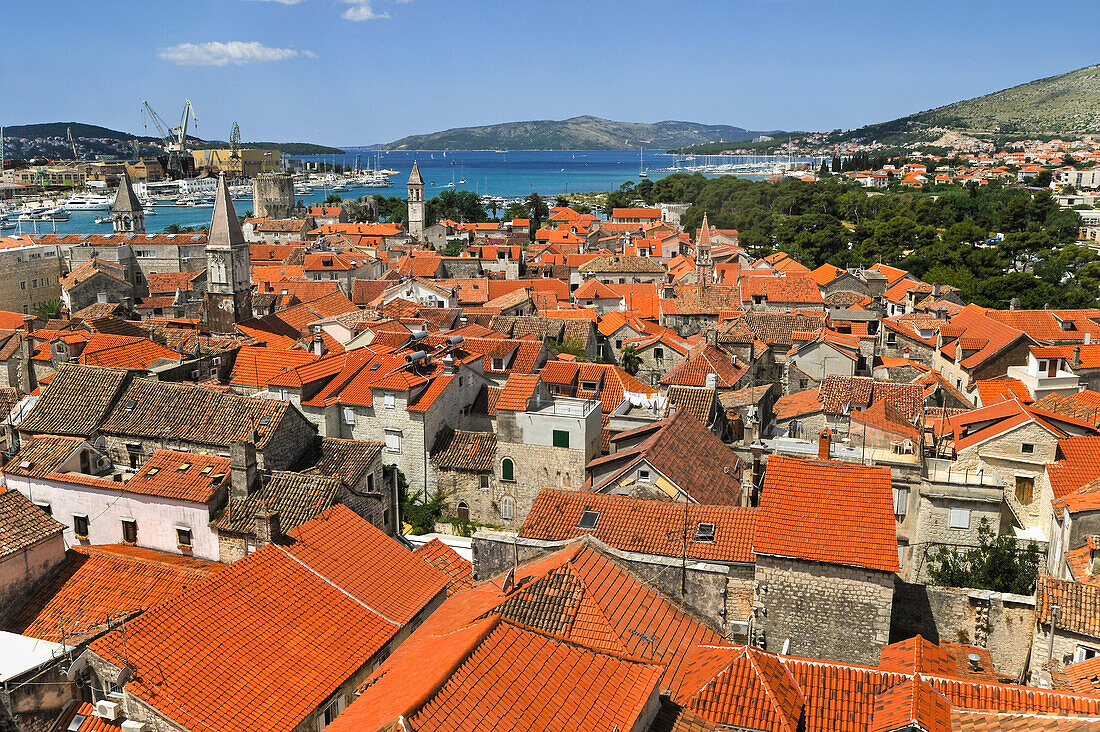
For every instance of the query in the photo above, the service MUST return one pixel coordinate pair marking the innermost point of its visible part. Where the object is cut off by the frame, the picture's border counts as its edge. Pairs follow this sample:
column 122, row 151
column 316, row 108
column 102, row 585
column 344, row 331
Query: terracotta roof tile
column 105, row 582
column 461, row 450
column 449, row 562
column 23, row 524
column 830, row 512
column 649, row 527
column 1079, row 605
column 275, row 633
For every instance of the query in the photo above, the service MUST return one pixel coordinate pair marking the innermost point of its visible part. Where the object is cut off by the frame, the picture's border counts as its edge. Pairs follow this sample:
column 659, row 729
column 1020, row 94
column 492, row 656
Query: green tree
column 333, row 199
column 998, row 563
column 537, row 211
column 48, row 309
column 420, row 512
column 630, row 360
column 561, row 202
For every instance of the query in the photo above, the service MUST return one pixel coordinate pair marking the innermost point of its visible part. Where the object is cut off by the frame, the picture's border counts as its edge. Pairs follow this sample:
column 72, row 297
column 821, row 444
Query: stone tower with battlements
column 127, row 215
column 416, row 204
column 228, row 266
column 272, row 195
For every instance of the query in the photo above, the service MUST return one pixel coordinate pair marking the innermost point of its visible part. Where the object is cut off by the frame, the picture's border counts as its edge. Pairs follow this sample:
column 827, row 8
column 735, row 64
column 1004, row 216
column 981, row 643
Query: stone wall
column 1062, row 651
column 22, row 571
column 701, row 587
column 827, row 611
column 1000, row 622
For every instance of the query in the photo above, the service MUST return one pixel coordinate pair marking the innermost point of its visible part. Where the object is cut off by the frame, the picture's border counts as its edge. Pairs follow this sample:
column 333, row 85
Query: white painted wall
column 157, row 518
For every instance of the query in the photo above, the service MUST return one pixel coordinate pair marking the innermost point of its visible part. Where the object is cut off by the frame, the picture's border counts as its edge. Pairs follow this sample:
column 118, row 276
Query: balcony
column 937, row 470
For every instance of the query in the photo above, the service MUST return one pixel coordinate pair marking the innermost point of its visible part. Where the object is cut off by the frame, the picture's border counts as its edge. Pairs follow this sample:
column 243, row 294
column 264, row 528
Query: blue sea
column 509, row 175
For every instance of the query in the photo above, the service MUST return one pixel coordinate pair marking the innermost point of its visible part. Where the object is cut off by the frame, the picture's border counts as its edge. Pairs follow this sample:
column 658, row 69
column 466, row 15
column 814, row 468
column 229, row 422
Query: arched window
column 507, row 469
column 508, row 508
column 463, row 511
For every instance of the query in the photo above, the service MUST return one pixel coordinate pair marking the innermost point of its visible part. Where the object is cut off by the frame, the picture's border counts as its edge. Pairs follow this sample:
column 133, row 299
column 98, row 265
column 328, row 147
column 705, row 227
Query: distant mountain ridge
column 575, row 133
column 1065, row 104
column 51, row 141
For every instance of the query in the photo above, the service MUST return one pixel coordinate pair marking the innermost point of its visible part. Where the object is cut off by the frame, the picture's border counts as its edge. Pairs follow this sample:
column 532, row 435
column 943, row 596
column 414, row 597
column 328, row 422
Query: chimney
column 1094, row 555
column 712, row 380
column 824, row 440
column 1014, row 304
column 28, row 323
column 318, row 345
column 65, row 313
column 242, row 469
column 974, row 662
column 268, row 528
column 1088, row 338
column 1075, row 359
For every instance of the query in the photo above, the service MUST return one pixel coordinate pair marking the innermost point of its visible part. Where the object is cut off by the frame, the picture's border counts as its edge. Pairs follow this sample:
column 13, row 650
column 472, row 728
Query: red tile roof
column 517, row 392
column 23, row 524
column 911, row 704
column 257, row 365
column 841, row 698
column 1052, row 326
column 639, row 525
column 825, row 511
column 994, row 391
column 97, row 584
column 978, row 425
column 266, row 641
column 705, row 360
column 449, row 562
column 1078, row 465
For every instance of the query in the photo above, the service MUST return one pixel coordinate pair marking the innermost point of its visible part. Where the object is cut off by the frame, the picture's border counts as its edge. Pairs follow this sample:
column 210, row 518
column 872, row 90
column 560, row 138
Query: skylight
column 588, row 520
column 704, row 533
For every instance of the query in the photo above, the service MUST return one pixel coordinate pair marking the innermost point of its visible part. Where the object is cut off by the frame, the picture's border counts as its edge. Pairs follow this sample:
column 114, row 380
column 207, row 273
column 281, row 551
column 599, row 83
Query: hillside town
column 587, row 471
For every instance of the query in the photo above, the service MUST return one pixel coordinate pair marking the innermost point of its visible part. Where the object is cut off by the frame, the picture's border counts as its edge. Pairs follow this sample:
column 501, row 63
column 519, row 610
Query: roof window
column 152, row 471
column 183, row 467
column 131, row 404
column 704, row 533
column 265, row 420
column 207, row 470
column 588, row 520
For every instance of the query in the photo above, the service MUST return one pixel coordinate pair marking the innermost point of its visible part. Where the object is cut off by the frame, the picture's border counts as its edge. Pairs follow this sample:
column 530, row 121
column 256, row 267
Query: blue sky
column 349, row 72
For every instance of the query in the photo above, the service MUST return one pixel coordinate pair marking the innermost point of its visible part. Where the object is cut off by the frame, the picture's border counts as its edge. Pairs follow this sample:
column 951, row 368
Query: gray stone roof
column 225, row 229
column 22, row 524
column 296, row 497
column 414, row 177
column 125, row 200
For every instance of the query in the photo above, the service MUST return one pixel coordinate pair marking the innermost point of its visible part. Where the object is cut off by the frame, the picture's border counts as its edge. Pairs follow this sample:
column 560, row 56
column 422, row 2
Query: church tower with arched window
column 127, row 215
column 228, row 266
column 416, row 204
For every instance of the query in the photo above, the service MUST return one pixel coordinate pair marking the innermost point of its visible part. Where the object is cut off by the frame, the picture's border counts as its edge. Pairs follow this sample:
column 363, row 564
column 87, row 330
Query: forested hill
column 50, row 140
column 1063, row 105
column 576, row 133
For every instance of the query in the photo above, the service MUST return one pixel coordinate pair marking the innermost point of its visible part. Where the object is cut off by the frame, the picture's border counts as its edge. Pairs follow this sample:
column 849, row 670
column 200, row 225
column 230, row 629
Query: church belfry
column 704, row 265
column 228, row 266
column 127, row 215
column 416, row 204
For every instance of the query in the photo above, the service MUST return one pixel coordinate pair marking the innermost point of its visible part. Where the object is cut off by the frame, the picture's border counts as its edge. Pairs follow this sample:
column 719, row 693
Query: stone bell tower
column 704, row 265
column 416, row 204
column 228, row 266
column 127, row 215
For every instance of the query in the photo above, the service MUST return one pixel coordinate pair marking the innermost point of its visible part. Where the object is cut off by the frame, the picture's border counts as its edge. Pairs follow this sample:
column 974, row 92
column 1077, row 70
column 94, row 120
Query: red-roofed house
column 825, row 530
column 1016, row 441
column 283, row 636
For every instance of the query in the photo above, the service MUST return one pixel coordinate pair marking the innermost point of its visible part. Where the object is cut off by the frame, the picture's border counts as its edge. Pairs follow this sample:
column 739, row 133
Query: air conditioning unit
column 132, row 725
column 108, row 710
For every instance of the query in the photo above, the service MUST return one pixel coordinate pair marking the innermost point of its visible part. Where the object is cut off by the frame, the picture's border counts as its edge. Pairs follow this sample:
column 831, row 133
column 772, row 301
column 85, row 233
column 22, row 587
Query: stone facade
column 272, row 195
column 31, row 275
column 1018, row 468
column 22, row 570
column 1000, row 622
column 703, row 588
column 829, row 611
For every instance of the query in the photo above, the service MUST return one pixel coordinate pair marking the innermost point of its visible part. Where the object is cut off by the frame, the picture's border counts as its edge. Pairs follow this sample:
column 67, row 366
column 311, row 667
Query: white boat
column 641, row 170
column 103, row 219
column 88, row 202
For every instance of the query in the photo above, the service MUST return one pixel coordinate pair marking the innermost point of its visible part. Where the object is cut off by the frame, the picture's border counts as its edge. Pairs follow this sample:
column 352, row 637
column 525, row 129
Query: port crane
column 69, row 134
column 174, row 139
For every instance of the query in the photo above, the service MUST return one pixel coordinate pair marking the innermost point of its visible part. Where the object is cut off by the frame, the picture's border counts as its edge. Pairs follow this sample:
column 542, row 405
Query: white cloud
column 362, row 10
column 217, row 53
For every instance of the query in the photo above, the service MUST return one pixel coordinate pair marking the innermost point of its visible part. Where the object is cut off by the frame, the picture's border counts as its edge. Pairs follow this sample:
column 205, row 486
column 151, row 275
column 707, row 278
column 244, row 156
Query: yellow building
column 247, row 163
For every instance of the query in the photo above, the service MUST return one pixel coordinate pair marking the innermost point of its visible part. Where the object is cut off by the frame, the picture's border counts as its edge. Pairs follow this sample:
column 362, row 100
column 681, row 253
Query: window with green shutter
column 561, row 438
